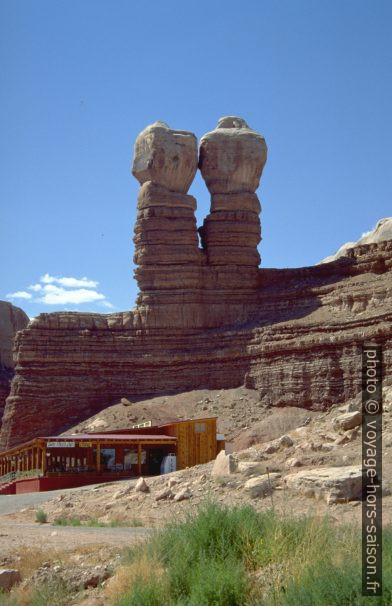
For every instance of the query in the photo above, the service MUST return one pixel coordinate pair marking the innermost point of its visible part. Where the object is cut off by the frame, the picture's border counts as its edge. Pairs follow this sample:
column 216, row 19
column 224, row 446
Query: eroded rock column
column 232, row 158
column 166, row 243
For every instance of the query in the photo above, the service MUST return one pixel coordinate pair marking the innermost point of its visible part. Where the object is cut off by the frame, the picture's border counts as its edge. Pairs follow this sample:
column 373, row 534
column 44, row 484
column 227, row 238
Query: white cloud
column 107, row 304
column 69, row 281
column 52, row 290
column 20, row 294
column 55, row 295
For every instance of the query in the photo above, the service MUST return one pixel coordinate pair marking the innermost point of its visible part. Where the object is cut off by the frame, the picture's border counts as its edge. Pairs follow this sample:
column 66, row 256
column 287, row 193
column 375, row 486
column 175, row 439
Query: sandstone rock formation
column 166, row 157
column 232, row 158
column 166, row 243
column 12, row 319
column 206, row 318
column 334, row 484
column 382, row 232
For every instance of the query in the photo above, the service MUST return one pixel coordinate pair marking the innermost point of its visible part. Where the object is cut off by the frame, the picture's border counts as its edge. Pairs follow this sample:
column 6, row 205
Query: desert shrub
column 55, row 592
column 40, row 516
column 331, row 585
column 239, row 557
column 145, row 593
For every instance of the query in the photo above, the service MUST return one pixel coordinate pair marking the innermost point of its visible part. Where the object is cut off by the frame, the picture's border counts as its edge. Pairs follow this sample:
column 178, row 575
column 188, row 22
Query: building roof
column 88, row 437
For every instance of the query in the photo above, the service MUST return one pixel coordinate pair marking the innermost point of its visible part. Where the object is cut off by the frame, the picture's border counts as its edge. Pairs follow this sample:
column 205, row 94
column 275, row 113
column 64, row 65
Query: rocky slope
column 206, row 318
column 307, row 463
column 12, row 319
column 297, row 464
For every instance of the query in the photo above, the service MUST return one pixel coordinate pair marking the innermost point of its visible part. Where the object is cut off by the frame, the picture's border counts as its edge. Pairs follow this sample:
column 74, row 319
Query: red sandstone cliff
column 205, row 318
column 12, row 319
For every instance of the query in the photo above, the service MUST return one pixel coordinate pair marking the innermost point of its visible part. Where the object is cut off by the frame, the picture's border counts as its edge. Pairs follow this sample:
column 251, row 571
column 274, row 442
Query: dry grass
column 22, row 595
column 142, row 568
column 29, row 559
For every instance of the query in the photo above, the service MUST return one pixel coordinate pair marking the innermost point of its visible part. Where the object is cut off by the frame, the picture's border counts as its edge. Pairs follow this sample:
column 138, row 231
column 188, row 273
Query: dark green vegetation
column 93, row 522
column 238, row 557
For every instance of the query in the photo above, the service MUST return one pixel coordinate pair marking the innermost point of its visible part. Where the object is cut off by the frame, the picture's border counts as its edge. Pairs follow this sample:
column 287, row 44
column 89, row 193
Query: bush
column 55, row 592
column 331, row 585
column 239, row 557
column 41, row 517
column 150, row 593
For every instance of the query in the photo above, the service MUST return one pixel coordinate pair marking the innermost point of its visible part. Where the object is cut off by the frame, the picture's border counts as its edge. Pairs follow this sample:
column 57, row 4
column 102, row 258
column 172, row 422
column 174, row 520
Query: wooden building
column 48, row 463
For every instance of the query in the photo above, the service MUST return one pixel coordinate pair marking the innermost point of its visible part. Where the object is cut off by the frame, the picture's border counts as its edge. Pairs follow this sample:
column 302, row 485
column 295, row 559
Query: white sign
column 60, row 445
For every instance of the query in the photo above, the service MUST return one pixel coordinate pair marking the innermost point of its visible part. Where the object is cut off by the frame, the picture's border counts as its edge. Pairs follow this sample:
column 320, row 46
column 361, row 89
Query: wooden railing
column 18, row 475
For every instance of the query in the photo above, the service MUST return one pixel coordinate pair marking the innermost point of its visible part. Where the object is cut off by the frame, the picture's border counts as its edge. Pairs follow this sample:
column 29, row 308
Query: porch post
column 98, row 458
column 139, row 459
column 43, row 459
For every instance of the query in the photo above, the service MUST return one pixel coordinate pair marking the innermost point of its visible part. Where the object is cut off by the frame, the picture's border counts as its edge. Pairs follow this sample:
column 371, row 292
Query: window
column 200, row 427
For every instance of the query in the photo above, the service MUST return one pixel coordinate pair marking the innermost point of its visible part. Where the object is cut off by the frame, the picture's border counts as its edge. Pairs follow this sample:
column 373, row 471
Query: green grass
column 40, row 516
column 239, row 557
column 7, row 599
column 55, row 592
column 95, row 523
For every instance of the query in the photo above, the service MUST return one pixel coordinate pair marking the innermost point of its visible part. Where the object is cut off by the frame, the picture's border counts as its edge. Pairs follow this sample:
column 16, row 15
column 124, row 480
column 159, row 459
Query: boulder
column 247, row 467
column 141, row 485
column 166, row 157
column 333, row 484
column 232, row 157
column 286, row 441
column 261, row 486
column 224, row 465
column 9, row 578
column 348, row 420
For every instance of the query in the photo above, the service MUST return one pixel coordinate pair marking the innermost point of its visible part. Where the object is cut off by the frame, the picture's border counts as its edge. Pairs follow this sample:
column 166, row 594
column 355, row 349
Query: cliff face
column 206, row 318
column 12, row 319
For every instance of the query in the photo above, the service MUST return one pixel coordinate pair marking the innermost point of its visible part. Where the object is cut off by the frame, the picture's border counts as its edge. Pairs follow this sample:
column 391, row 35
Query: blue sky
column 80, row 80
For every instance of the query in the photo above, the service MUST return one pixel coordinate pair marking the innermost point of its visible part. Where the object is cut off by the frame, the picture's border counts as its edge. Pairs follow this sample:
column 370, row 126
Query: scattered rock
column 333, row 484
column 293, row 462
column 165, row 493
column 183, row 495
column 286, row 441
column 271, row 448
column 142, row 486
column 9, row 578
column 247, row 467
column 224, row 465
column 262, row 485
column 173, row 482
column 349, row 420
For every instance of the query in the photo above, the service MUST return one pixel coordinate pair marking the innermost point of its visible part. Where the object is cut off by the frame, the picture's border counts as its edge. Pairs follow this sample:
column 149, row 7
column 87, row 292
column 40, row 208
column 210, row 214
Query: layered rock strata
column 293, row 334
column 166, row 242
column 12, row 319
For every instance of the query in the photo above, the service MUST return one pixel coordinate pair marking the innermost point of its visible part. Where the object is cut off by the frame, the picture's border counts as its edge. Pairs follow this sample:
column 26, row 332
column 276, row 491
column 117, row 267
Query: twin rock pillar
column 176, row 278
column 232, row 158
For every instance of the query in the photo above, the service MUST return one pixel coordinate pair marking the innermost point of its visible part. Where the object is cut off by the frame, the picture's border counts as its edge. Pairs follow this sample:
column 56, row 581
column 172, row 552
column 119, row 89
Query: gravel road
column 12, row 503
